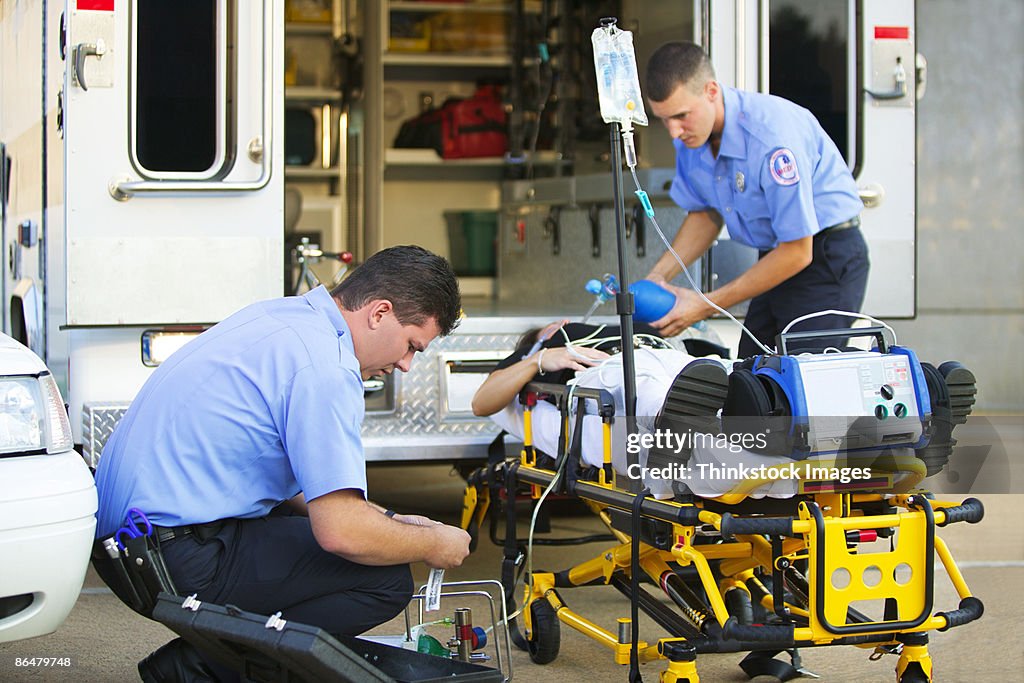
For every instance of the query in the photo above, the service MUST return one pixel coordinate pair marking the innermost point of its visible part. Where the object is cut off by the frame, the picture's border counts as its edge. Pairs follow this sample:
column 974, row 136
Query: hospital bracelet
column 540, row 357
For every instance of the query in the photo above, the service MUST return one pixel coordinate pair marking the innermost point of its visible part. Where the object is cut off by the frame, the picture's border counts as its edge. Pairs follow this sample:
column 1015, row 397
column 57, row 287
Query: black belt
column 169, row 533
column 845, row 225
column 202, row 531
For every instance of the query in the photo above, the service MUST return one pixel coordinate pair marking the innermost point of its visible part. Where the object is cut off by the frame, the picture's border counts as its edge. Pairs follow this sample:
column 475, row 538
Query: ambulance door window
column 809, row 63
column 176, row 81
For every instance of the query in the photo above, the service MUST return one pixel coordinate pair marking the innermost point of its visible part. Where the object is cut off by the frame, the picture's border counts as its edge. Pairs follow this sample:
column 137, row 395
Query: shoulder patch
column 782, row 165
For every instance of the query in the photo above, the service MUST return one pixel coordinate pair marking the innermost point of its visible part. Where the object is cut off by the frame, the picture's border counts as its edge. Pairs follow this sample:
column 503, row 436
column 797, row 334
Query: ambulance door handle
column 899, row 75
column 921, row 74
column 872, row 195
column 83, row 50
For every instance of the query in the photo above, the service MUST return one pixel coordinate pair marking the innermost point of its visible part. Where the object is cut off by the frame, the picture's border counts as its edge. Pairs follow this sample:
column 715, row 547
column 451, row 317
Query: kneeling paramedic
column 243, row 451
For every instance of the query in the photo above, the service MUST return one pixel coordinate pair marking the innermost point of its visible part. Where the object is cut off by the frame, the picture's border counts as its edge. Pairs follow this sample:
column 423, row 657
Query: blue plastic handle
column 646, row 201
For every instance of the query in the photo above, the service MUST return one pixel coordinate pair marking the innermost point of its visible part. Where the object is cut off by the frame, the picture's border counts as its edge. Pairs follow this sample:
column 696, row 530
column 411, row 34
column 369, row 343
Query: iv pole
column 624, row 305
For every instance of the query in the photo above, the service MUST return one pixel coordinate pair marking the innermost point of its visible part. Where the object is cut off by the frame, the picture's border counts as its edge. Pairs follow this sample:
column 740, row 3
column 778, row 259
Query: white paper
column 434, row 589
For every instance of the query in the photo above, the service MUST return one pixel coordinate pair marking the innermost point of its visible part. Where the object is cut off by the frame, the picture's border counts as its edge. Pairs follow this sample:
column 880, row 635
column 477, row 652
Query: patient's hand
column 576, row 358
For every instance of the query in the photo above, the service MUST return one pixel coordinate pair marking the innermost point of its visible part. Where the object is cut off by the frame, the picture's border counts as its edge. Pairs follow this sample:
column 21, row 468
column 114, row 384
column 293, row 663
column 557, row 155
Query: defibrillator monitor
column 850, row 401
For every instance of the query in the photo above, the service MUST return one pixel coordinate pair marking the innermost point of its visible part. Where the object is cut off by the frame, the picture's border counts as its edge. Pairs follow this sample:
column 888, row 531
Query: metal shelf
column 440, row 59
column 426, row 165
column 428, row 157
column 308, row 173
column 472, row 7
column 301, row 29
column 295, row 93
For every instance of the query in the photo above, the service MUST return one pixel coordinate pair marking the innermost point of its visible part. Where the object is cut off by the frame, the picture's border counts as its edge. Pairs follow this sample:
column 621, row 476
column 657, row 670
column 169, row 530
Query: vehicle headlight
column 32, row 416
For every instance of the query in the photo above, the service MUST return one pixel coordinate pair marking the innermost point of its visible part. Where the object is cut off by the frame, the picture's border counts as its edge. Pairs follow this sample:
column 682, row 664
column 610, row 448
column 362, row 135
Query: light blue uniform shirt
column 778, row 176
column 259, row 407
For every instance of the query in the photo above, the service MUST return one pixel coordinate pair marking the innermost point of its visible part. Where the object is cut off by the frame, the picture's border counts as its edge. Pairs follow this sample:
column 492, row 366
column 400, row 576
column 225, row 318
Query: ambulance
column 142, row 183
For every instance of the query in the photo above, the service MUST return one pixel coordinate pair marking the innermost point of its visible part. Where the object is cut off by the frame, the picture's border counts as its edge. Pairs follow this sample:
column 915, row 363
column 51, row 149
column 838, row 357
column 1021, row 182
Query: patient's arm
column 501, row 386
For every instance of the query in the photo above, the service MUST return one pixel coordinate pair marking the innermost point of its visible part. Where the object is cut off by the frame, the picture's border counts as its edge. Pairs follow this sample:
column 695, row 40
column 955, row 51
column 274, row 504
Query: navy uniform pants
column 274, row 564
column 268, row 565
column 835, row 279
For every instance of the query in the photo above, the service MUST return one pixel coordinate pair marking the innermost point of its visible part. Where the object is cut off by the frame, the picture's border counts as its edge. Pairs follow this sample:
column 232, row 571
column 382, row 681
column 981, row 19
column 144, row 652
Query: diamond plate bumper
column 424, row 424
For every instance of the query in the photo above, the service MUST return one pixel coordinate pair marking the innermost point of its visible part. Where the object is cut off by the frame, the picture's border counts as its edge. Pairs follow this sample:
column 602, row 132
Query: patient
column 663, row 373
column 592, row 360
column 541, row 354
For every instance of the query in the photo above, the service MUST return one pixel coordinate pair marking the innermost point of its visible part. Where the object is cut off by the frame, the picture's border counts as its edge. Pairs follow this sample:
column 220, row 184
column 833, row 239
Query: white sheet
column 655, row 369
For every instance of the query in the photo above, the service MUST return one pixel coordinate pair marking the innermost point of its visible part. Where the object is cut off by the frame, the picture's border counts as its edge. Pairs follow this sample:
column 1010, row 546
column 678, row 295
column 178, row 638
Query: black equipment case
column 269, row 650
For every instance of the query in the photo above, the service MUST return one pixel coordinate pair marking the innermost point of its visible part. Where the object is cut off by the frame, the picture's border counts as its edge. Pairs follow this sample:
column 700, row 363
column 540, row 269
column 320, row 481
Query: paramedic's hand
column 656, row 278
column 579, row 358
column 451, row 548
column 688, row 310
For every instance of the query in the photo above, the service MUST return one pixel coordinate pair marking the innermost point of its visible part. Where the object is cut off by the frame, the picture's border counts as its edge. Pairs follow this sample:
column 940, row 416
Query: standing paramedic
column 244, row 451
column 779, row 183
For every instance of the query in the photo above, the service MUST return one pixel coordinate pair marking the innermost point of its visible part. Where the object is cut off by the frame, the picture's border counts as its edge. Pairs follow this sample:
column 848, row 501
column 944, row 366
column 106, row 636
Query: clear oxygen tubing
column 603, row 290
column 592, row 340
column 540, row 501
column 558, row 475
column 593, row 307
column 629, row 151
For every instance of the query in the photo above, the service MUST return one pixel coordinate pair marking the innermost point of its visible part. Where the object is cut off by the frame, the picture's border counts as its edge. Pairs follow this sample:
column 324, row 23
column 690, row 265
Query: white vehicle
column 47, row 500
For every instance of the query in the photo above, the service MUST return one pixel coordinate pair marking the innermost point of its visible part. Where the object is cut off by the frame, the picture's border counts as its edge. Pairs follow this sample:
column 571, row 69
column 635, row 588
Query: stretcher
column 836, row 563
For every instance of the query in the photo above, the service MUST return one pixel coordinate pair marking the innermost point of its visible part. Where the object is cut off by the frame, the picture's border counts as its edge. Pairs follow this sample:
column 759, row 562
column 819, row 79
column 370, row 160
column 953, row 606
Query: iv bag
column 618, row 85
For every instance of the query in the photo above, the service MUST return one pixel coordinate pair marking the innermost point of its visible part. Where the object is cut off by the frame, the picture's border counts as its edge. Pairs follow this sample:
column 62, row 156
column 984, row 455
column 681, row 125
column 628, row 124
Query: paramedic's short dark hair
column 674, row 64
column 419, row 284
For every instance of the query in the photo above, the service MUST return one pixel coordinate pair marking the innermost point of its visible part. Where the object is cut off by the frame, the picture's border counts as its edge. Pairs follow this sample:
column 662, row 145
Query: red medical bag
column 460, row 128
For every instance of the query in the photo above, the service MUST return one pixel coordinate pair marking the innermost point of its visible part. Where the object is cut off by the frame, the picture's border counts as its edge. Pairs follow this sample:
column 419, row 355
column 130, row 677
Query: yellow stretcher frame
column 903, row 577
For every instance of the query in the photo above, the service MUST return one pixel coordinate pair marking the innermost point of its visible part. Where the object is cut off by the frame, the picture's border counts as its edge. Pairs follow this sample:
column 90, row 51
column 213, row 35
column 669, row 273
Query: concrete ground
column 104, row 639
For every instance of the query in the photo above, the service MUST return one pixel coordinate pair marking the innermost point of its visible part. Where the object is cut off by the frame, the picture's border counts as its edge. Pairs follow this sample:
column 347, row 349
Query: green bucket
column 472, row 242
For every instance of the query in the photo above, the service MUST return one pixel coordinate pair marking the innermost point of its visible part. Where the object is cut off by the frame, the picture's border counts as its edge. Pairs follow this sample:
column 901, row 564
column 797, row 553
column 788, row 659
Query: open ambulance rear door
column 852, row 63
column 164, row 199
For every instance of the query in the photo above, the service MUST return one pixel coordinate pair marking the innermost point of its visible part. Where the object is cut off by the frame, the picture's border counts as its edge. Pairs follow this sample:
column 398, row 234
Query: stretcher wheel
column 914, row 674
column 545, row 634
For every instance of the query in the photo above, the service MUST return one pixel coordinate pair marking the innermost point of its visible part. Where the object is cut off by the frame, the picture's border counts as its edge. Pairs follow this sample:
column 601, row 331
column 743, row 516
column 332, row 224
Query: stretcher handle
column 970, row 511
column 876, row 332
column 772, row 526
column 780, row 634
column 971, row 608
column 561, row 393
